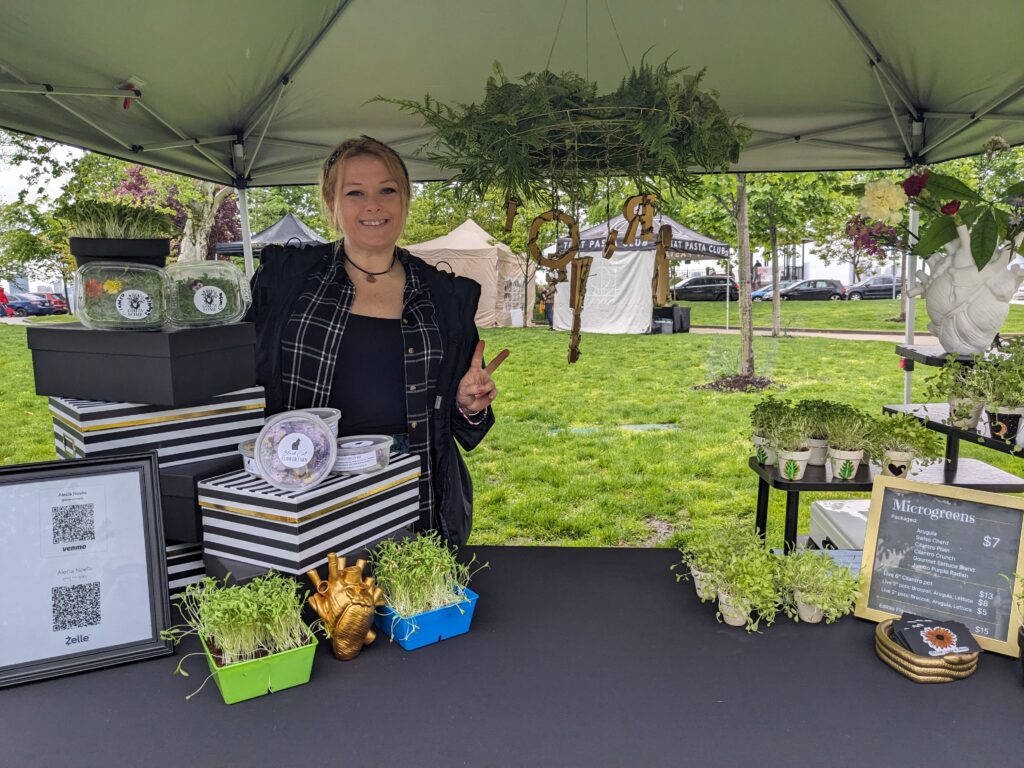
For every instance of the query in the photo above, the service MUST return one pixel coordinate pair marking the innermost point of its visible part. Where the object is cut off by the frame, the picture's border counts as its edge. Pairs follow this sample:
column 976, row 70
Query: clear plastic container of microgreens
column 362, row 454
column 295, row 450
column 206, row 293
column 248, row 451
column 120, row 295
column 330, row 415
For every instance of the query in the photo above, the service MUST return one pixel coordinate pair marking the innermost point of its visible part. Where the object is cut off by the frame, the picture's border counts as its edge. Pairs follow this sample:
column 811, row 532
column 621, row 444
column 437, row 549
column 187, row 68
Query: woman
column 368, row 328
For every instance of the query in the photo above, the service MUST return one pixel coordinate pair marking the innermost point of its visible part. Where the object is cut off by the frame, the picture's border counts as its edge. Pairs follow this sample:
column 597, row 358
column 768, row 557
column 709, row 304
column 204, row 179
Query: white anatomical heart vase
column 967, row 306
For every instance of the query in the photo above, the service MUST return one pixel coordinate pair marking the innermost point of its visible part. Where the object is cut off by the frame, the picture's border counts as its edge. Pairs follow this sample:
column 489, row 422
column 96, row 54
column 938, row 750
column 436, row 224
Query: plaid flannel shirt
column 312, row 338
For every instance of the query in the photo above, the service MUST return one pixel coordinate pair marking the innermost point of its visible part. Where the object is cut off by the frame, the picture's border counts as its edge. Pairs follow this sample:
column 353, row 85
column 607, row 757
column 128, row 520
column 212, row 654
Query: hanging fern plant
column 553, row 131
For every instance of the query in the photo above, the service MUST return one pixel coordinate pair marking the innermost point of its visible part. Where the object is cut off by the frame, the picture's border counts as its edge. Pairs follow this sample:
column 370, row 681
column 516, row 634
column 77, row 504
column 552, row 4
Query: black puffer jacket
column 276, row 286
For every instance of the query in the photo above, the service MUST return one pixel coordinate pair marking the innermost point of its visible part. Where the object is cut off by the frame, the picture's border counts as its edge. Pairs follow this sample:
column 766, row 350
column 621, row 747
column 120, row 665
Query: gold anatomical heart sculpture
column 346, row 602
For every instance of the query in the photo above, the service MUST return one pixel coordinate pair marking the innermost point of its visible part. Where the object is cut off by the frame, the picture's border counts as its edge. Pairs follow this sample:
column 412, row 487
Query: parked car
column 29, row 304
column 814, row 289
column 764, row 293
column 59, row 302
column 706, row 288
column 877, row 287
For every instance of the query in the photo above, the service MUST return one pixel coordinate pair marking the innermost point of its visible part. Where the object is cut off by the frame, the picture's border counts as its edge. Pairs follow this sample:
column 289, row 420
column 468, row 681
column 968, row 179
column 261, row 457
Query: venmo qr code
column 77, row 605
column 73, row 522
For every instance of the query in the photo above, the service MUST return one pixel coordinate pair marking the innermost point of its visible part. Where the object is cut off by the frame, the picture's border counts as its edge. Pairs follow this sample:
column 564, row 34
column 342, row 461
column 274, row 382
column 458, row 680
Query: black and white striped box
column 248, row 520
column 87, row 428
column 184, row 566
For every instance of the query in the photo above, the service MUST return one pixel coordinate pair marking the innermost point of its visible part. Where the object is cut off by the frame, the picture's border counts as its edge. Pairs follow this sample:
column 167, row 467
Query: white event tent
column 618, row 298
column 470, row 251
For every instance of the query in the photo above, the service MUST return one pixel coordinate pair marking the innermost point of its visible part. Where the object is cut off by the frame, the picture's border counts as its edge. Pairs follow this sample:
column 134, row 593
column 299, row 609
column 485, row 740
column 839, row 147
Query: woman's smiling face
column 369, row 206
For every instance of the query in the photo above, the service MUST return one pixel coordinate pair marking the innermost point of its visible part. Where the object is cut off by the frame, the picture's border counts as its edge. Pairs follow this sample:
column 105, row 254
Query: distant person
column 547, row 297
column 5, row 310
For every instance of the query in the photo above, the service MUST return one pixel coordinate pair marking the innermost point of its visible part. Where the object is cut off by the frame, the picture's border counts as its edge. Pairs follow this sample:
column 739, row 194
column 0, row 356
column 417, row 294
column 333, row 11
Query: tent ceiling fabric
column 796, row 71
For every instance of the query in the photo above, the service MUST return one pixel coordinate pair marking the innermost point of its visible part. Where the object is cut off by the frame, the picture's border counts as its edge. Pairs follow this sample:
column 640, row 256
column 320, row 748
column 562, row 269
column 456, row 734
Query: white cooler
column 839, row 524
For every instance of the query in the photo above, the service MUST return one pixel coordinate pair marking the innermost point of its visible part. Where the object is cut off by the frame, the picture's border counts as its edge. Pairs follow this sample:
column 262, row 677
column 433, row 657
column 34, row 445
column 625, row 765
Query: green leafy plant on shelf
column 115, row 220
column 420, row 574
column 905, row 433
column 814, row 579
column 818, row 414
column 960, row 385
column 554, row 132
column 1000, row 377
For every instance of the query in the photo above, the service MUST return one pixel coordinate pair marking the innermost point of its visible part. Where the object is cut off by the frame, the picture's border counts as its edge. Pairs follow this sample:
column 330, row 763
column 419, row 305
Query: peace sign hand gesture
column 477, row 389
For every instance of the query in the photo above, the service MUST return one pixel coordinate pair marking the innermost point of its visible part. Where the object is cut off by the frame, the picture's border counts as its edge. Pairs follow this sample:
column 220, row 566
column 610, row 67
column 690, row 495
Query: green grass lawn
column 558, row 469
column 867, row 315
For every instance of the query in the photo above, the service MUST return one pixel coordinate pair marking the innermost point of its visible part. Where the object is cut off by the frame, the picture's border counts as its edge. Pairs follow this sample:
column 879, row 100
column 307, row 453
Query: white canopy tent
column 618, row 298
column 470, row 251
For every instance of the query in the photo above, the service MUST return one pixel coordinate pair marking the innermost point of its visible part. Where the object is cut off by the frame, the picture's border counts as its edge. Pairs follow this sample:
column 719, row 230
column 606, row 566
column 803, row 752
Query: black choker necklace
column 371, row 277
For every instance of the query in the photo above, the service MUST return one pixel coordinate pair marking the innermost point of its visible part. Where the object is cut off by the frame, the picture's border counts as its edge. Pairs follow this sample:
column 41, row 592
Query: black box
column 183, row 520
column 680, row 317
column 173, row 368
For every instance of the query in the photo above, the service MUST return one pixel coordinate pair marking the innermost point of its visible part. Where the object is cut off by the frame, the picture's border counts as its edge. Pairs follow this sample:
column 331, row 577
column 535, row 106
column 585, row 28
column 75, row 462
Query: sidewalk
column 894, row 337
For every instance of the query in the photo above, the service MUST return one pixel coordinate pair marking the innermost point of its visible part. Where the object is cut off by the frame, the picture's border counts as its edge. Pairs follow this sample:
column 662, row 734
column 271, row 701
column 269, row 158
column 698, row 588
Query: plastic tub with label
column 295, row 451
column 118, row 295
column 206, row 293
column 331, row 417
column 362, row 454
column 248, row 451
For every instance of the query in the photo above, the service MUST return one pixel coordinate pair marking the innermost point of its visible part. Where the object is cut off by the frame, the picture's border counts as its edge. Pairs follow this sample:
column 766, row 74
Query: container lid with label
column 206, row 293
column 360, row 454
column 120, row 295
column 295, row 450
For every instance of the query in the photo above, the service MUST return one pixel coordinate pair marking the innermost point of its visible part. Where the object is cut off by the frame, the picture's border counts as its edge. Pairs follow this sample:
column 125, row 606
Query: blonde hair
column 332, row 171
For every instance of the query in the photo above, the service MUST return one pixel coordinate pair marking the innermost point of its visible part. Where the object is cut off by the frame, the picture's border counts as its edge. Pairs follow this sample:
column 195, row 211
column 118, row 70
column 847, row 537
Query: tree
column 33, row 242
column 268, row 204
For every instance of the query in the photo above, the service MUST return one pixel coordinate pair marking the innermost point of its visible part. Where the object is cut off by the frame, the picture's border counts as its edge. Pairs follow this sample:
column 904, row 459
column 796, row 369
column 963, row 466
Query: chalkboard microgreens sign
column 945, row 553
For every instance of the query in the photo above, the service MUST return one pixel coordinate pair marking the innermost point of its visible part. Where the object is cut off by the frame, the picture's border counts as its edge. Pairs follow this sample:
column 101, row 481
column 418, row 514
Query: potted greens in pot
column 103, row 230
column 849, row 436
column 959, row 385
column 899, row 439
column 763, row 419
column 253, row 636
column 703, row 548
column 818, row 414
column 816, row 587
column 1001, row 381
column 425, row 588
column 747, row 583
column 789, row 437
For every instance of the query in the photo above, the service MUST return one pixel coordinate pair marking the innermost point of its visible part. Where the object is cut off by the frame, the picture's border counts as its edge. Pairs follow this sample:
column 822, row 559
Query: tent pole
column 910, row 265
column 243, row 210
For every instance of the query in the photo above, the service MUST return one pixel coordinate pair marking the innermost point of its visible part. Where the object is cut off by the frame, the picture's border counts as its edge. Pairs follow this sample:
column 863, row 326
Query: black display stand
column 968, row 473
column 576, row 657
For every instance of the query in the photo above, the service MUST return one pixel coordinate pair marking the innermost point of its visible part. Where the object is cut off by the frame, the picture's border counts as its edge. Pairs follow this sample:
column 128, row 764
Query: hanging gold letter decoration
column 558, row 260
column 511, row 207
column 635, row 217
column 577, row 293
column 659, row 289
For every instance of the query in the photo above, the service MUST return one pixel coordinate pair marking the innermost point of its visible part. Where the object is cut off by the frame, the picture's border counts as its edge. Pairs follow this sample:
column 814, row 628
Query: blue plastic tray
column 427, row 628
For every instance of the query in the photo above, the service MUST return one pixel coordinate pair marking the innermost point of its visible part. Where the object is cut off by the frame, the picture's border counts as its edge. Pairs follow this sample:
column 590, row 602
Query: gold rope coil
column 921, row 669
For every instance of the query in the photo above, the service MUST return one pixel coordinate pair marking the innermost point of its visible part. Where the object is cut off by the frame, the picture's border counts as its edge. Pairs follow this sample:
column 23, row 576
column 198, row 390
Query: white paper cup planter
column 963, row 413
column 845, row 464
column 295, row 450
column 765, row 453
column 362, row 454
column 819, row 451
column 793, row 464
column 812, row 614
column 331, row 417
column 702, row 584
column 732, row 614
column 206, row 293
column 897, row 463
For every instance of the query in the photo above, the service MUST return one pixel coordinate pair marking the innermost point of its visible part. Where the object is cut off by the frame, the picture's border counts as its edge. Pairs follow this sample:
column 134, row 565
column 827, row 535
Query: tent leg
column 910, row 266
column 243, row 210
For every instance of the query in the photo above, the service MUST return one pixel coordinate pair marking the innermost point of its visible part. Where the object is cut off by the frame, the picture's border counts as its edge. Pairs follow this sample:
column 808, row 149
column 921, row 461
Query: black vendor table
column 967, row 473
column 577, row 657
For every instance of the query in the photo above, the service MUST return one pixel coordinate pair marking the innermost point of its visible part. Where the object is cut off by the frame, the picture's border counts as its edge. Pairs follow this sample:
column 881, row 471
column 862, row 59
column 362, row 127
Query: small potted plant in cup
column 898, row 440
column 253, row 636
column 789, row 437
column 816, row 587
column 425, row 589
column 1001, row 380
column 747, row 583
column 763, row 419
column 703, row 547
column 849, row 436
column 958, row 384
column 818, row 414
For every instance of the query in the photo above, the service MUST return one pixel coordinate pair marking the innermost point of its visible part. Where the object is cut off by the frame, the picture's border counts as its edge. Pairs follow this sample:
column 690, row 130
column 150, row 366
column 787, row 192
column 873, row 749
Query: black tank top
column 369, row 377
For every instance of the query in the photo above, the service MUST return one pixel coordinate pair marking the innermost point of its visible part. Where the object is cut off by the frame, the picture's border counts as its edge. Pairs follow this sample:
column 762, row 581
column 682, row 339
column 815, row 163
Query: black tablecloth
column 577, row 657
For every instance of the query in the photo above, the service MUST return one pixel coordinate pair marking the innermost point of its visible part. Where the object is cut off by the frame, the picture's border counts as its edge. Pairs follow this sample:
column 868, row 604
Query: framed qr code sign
column 83, row 582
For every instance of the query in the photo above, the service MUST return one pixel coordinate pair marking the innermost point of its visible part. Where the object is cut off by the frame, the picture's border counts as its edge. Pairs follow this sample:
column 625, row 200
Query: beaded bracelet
column 469, row 419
